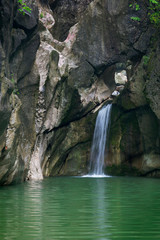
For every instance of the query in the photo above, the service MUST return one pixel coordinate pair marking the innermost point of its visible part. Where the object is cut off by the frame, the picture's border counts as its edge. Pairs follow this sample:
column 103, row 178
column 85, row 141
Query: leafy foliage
column 24, row 8
column 153, row 11
column 135, row 6
column 41, row 15
column 145, row 59
column 15, row 90
column 136, row 19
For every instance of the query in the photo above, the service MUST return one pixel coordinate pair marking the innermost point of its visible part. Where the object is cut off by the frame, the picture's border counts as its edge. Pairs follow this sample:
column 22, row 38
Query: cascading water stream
column 99, row 141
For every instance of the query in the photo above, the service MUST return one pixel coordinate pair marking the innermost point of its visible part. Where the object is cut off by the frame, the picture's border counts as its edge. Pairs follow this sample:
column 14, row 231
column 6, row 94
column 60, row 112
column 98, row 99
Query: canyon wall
column 135, row 131
column 57, row 67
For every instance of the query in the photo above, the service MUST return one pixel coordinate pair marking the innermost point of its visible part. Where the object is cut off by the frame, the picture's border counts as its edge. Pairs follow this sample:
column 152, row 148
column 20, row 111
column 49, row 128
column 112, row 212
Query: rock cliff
column 135, row 131
column 57, row 66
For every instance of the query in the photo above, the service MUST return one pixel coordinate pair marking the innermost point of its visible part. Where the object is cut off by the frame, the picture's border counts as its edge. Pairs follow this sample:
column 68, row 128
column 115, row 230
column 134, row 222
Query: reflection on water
column 81, row 208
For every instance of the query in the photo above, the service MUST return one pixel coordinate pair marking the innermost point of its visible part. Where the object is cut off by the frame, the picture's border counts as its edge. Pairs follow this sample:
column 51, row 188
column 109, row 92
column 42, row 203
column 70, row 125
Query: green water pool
column 81, row 208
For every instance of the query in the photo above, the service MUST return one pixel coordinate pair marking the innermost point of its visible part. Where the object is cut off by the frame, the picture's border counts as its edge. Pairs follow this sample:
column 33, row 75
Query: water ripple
column 81, row 208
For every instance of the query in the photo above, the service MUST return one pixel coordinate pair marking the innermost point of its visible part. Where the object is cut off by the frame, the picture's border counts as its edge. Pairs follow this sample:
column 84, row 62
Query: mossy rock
column 124, row 101
column 122, row 170
column 125, row 133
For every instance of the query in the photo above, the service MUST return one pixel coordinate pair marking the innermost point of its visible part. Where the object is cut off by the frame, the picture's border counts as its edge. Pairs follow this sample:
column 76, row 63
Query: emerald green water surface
column 81, row 208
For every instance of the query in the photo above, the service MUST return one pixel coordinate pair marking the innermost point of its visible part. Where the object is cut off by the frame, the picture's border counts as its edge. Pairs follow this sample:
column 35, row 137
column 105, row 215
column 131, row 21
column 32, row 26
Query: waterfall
column 99, row 141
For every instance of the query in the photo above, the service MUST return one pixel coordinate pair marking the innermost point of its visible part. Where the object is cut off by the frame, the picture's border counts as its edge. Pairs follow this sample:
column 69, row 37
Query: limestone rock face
column 57, row 65
column 66, row 13
column 135, row 136
column 121, row 77
column 19, row 42
column 153, row 80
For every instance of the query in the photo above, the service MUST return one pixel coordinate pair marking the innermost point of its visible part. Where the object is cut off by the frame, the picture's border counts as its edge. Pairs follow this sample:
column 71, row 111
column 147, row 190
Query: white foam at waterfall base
column 99, row 143
column 95, row 176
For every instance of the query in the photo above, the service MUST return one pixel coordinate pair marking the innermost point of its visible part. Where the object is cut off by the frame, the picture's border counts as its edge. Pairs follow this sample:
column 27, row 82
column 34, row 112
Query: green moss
column 145, row 59
column 154, row 44
column 130, row 131
column 115, row 135
column 122, row 170
column 151, row 64
column 125, row 133
column 129, row 120
column 115, row 129
column 123, row 99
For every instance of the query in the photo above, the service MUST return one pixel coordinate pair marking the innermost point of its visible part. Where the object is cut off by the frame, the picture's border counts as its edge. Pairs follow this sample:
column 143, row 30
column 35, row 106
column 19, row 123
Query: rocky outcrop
column 56, row 71
column 153, row 77
column 66, row 14
column 135, row 136
column 18, row 87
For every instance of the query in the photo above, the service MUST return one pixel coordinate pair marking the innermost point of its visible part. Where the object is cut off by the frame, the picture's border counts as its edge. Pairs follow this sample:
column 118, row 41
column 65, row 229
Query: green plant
column 135, row 6
column 12, row 79
column 145, row 60
column 24, row 8
column 153, row 11
column 136, row 19
column 15, row 90
column 41, row 15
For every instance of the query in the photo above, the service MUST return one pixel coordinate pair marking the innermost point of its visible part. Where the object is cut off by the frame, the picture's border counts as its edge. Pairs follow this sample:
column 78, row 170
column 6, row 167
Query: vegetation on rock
column 153, row 11
column 24, row 8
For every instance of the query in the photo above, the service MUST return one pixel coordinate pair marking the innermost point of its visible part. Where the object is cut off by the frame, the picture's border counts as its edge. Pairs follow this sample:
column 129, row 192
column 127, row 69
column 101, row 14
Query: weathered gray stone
column 66, row 14
column 18, row 35
column 16, row 121
column 48, row 110
column 29, row 54
column 65, row 144
column 139, row 150
column 153, row 81
column 28, row 20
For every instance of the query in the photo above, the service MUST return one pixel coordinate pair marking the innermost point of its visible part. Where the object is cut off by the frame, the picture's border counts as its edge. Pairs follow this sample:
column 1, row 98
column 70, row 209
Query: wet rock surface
column 66, row 14
column 57, row 69
column 18, row 43
column 135, row 136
